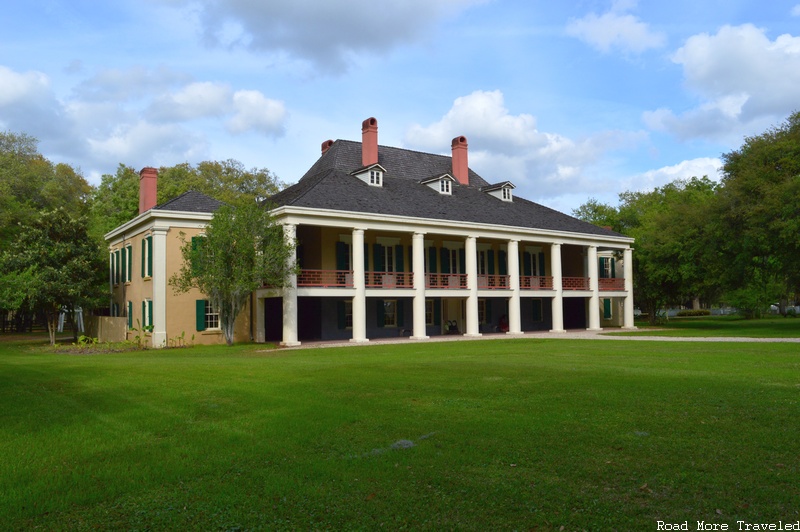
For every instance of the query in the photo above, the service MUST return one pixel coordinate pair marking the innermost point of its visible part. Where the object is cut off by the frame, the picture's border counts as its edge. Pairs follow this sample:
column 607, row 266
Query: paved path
column 569, row 335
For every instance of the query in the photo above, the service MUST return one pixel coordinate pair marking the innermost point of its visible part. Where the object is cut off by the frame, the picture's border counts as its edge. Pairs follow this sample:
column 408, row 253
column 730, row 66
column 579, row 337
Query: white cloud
column 616, row 29
column 510, row 147
column 745, row 79
column 19, row 87
column 142, row 143
column 796, row 11
column 255, row 112
column 325, row 34
column 704, row 166
column 195, row 100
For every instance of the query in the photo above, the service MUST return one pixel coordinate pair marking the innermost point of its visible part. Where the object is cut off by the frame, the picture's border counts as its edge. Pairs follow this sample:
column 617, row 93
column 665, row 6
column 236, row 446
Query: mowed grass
column 482, row 435
column 719, row 326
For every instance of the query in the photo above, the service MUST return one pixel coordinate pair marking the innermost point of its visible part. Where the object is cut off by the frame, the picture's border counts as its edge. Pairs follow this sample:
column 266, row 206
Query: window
column 376, row 178
column 348, row 314
column 147, row 257
column 389, row 250
column 429, row 312
column 147, row 313
column 607, row 309
column 206, row 315
column 481, row 311
column 130, row 314
column 482, row 270
column 445, row 186
column 127, row 263
column 506, row 194
column 390, row 313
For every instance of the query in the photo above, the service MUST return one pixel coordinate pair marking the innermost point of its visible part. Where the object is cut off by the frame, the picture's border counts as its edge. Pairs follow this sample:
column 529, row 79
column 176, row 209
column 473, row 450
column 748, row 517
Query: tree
column 243, row 250
column 675, row 258
column 760, row 205
column 115, row 201
column 56, row 266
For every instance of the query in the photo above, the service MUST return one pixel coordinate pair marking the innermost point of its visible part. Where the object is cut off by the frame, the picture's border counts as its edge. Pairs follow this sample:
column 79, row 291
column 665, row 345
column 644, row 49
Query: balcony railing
column 325, row 278
column 575, row 283
column 615, row 284
column 529, row 282
column 446, row 280
column 493, row 282
column 389, row 280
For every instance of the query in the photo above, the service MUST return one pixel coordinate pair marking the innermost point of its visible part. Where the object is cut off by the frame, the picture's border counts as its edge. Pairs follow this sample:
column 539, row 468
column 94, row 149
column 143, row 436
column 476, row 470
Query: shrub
column 693, row 313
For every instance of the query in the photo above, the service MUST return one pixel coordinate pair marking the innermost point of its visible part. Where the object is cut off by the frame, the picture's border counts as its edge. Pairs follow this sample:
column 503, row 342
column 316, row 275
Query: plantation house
column 390, row 243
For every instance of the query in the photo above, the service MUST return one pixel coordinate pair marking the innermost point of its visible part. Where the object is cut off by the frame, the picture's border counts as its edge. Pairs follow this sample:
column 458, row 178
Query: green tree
column 243, row 250
column 760, row 211
column 29, row 184
column 115, row 201
column 56, row 265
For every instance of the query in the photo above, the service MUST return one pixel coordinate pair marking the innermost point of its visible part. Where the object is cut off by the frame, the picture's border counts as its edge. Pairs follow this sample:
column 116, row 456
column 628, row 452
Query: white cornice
column 159, row 218
column 385, row 222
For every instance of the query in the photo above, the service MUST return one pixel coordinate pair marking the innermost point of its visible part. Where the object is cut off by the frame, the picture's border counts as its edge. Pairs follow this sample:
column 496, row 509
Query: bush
column 693, row 313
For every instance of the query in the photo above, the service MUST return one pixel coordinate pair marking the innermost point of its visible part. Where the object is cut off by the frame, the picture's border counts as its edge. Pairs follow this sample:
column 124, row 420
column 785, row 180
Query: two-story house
column 393, row 242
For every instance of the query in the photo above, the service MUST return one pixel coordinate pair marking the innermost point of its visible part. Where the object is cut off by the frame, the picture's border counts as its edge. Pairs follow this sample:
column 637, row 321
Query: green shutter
column 462, row 260
column 130, row 264
column 116, row 266
column 200, row 314
column 527, row 265
column 602, row 267
column 399, row 263
column 366, row 257
column 401, row 318
column 431, row 260
column 150, row 312
column 542, row 268
column 381, row 312
column 150, row 256
column 445, row 264
column 124, row 265
column 613, row 268
column 502, row 265
column 341, row 256
column 378, row 258
column 607, row 309
column 490, row 261
column 130, row 314
column 437, row 312
column 144, row 313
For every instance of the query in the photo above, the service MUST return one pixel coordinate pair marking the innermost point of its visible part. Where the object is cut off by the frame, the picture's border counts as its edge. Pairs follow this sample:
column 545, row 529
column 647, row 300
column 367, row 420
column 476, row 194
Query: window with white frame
column 127, row 263
column 212, row 316
column 506, row 194
column 445, row 186
column 429, row 312
column 376, row 178
column 348, row 314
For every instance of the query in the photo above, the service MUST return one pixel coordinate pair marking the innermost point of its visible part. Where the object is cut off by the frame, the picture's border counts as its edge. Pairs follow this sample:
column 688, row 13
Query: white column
column 418, row 269
column 290, row 296
column 558, row 302
column 627, row 322
column 594, row 286
column 512, row 259
column 159, row 335
column 471, row 252
column 359, row 283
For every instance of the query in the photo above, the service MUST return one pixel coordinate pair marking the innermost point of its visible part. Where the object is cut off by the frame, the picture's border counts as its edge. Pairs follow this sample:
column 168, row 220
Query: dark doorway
column 574, row 313
column 273, row 319
column 309, row 318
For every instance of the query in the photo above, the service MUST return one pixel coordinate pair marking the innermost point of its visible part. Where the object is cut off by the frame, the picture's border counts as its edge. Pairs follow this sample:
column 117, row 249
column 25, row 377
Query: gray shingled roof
column 191, row 201
column 329, row 185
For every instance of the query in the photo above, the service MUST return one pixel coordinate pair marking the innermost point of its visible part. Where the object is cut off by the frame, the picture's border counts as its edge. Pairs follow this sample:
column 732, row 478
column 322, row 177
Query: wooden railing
column 325, row 278
column 446, row 280
column 529, row 282
column 493, row 282
column 575, row 283
column 389, row 280
column 616, row 284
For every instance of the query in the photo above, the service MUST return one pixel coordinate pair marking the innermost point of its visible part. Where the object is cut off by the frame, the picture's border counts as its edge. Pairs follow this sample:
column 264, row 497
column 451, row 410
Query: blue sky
column 567, row 100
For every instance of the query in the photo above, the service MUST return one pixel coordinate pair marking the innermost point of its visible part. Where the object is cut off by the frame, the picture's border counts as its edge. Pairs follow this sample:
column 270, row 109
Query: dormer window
column 443, row 184
column 371, row 175
column 501, row 191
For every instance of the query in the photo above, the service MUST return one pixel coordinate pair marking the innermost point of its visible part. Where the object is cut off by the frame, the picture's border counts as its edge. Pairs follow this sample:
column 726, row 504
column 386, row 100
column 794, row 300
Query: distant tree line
column 735, row 242
column 52, row 254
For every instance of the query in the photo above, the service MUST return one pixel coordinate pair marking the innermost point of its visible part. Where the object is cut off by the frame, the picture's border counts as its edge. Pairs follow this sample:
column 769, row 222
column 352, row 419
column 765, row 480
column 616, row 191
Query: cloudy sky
column 568, row 100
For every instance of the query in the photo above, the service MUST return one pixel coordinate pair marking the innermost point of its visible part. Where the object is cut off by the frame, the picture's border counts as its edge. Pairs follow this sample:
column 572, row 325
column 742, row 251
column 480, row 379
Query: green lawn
column 773, row 327
column 483, row 435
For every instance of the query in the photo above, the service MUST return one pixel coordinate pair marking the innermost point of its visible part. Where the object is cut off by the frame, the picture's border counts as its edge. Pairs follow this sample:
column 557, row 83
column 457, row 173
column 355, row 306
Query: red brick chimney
column 460, row 162
column 148, row 178
column 369, row 142
column 326, row 146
